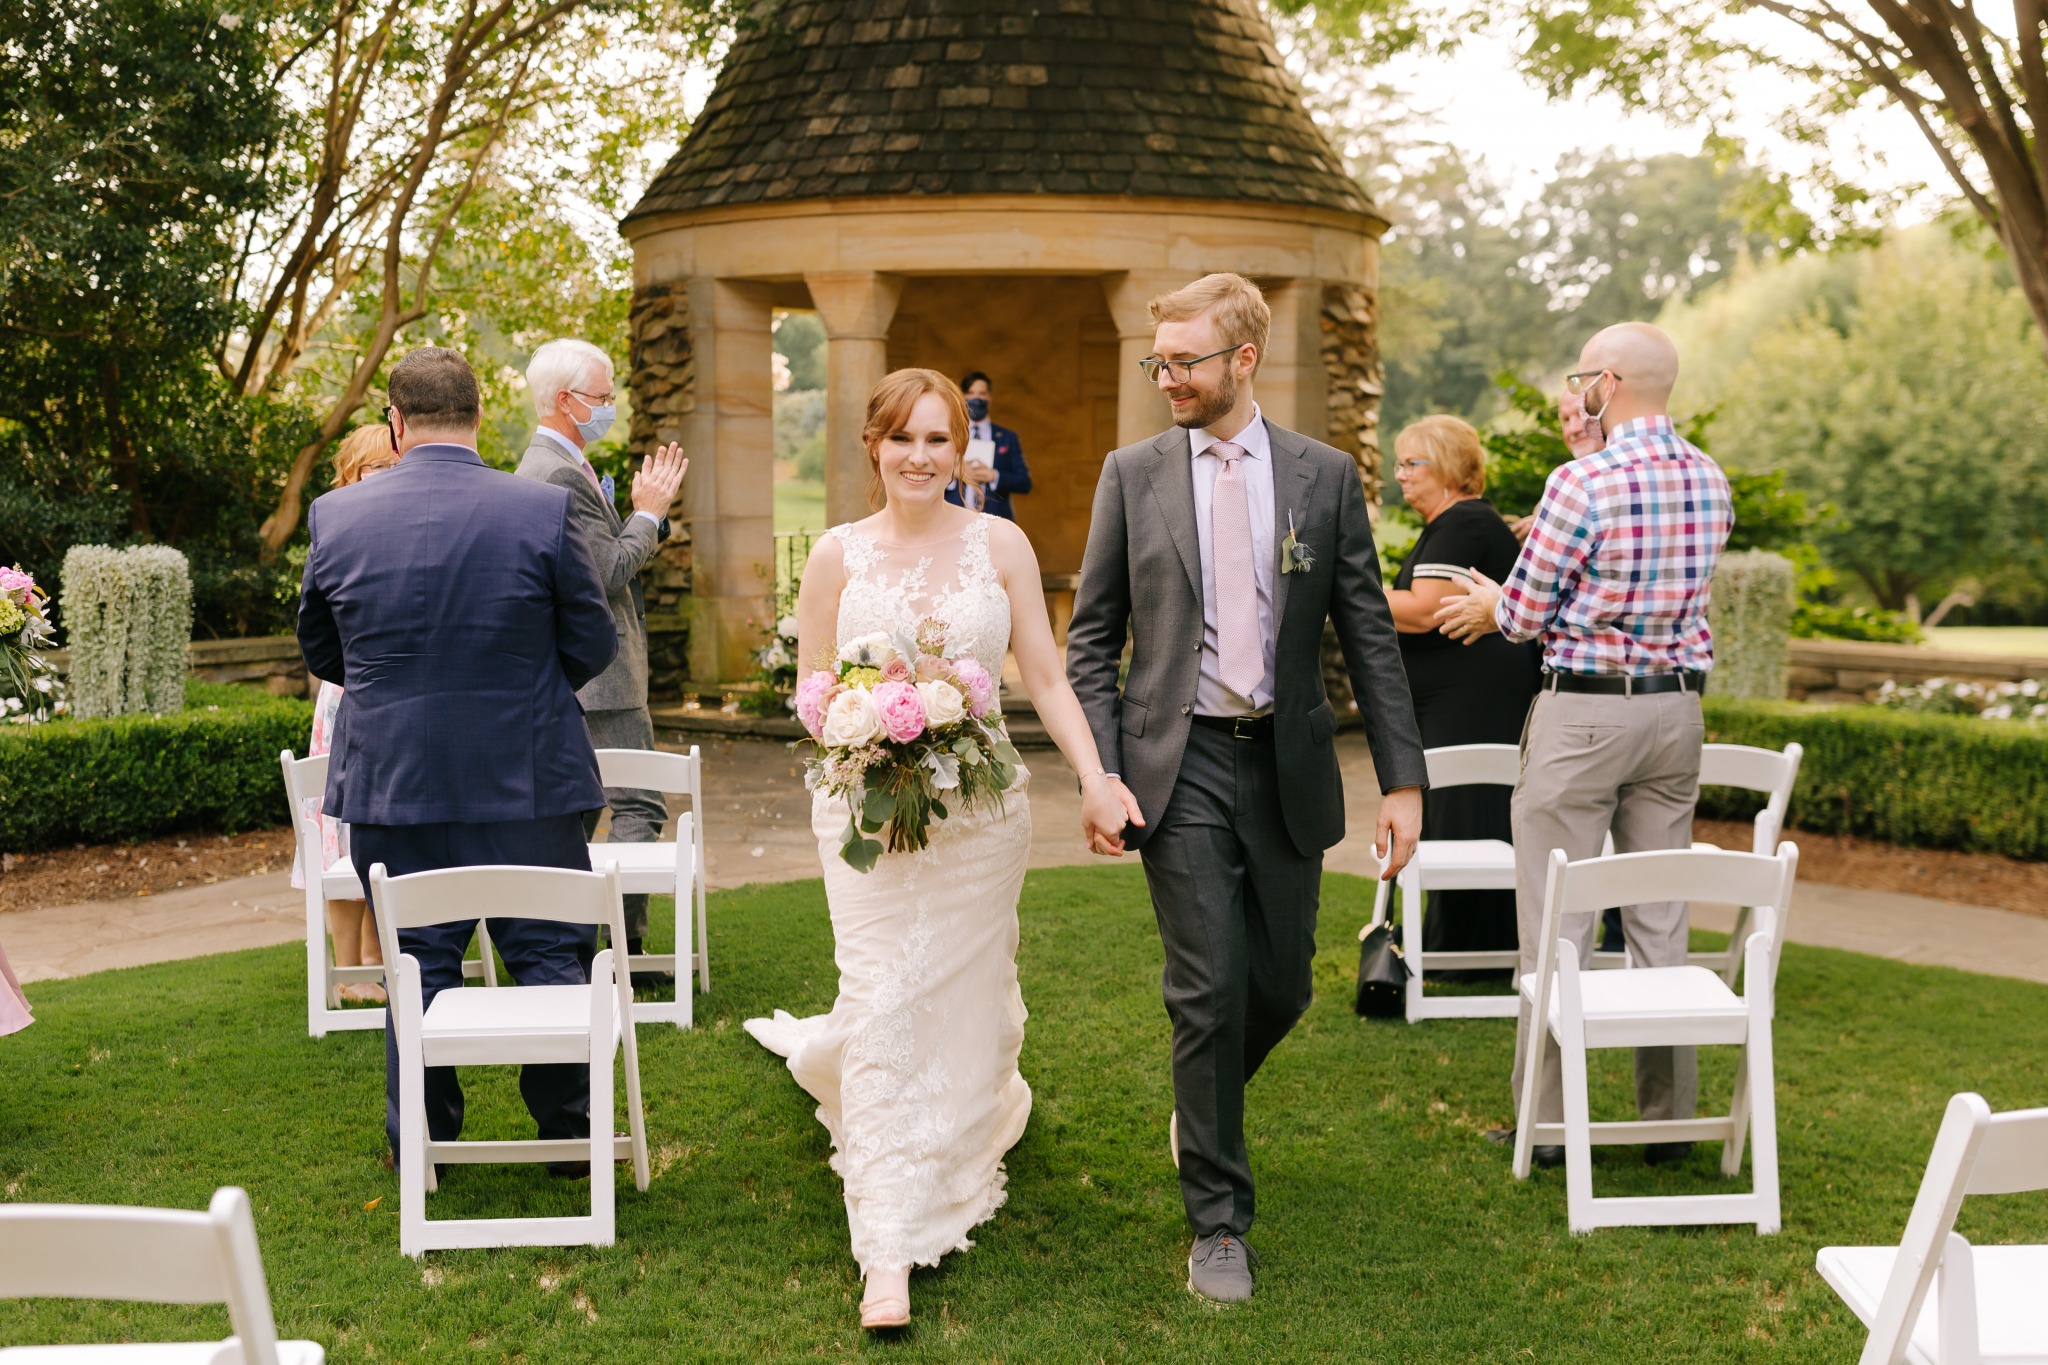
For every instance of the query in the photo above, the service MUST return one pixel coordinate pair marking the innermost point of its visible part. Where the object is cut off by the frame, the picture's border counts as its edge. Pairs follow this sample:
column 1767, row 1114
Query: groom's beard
column 1213, row 407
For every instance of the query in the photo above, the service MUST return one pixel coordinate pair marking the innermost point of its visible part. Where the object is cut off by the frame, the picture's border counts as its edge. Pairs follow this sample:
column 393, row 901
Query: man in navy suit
column 460, row 610
column 1005, row 475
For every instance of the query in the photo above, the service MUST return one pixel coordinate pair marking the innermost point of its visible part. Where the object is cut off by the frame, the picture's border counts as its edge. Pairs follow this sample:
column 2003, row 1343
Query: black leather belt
column 1623, row 685
column 1238, row 727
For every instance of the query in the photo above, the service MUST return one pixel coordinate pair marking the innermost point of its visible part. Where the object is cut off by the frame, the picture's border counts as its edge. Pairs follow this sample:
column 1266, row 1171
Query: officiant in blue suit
column 460, row 610
column 1002, row 474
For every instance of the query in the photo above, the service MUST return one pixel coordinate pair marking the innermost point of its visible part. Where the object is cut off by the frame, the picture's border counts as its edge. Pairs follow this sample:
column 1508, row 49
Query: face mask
column 1607, row 402
column 598, row 423
column 977, row 409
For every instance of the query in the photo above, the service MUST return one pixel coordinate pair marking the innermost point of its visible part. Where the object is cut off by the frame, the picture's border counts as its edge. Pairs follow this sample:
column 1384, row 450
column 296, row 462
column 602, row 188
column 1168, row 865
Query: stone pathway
column 758, row 820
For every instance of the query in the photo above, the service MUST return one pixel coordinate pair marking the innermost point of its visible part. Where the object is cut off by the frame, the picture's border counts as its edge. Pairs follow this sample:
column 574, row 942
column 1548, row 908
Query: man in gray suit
column 571, row 384
column 1220, row 548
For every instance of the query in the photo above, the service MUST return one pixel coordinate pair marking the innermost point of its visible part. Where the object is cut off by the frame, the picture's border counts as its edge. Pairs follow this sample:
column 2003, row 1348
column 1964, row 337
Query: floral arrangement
column 29, row 687
column 900, row 730
column 2025, row 701
column 774, row 675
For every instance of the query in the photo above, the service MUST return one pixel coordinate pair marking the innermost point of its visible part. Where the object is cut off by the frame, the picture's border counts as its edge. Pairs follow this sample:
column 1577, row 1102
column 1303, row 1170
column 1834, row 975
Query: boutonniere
column 1294, row 556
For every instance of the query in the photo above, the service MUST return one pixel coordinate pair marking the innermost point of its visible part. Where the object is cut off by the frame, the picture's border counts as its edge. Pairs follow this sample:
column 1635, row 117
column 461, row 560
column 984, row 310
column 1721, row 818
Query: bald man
column 1613, row 580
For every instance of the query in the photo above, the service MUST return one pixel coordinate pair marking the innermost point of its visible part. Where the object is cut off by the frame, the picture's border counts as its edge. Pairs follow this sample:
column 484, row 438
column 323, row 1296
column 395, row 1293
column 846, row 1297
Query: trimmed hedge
column 211, row 766
column 1921, row 780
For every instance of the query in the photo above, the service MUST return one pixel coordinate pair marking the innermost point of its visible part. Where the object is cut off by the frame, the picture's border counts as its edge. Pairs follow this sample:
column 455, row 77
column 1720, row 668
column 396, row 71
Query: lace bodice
column 890, row 588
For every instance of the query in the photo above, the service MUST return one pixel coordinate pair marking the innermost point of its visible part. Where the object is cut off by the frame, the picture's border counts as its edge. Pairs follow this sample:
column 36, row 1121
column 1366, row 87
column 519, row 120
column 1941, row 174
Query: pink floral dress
column 14, row 1013
column 333, row 834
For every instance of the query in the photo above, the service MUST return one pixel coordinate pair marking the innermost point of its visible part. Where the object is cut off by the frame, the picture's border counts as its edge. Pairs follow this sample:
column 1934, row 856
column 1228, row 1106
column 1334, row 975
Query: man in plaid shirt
column 1614, row 581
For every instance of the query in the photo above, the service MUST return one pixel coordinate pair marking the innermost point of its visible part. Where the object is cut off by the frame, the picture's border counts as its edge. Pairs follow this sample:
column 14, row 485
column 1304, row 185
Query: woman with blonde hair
column 365, row 451
column 1475, row 695
column 915, row 1069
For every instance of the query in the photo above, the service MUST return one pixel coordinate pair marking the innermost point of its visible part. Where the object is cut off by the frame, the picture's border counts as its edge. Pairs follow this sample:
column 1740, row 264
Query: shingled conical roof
column 826, row 99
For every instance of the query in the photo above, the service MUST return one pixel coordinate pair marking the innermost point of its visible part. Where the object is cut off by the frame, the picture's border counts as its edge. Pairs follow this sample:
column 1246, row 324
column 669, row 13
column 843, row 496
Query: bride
column 915, row 1068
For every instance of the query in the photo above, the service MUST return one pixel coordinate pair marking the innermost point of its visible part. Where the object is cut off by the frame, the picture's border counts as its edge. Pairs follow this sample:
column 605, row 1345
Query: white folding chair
column 674, row 867
column 305, row 784
column 1773, row 773
column 104, row 1251
column 1991, row 1303
column 1687, row 1006
column 512, row 1025
column 1454, row 864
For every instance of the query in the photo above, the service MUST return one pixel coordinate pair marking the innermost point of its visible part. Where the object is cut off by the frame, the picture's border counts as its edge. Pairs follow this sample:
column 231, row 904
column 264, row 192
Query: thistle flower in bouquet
column 905, row 735
column 30, row 690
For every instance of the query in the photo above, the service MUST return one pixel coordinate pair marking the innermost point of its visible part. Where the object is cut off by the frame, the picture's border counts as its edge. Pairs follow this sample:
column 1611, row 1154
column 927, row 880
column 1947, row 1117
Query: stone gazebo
column 977, row 184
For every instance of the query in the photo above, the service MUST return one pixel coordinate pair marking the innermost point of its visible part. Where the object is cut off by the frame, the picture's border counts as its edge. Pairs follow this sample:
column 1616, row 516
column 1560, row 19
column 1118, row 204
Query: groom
column 1220, row 548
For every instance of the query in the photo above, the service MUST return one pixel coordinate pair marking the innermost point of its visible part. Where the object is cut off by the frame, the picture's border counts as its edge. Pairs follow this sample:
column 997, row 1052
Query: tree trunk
column 121, row 448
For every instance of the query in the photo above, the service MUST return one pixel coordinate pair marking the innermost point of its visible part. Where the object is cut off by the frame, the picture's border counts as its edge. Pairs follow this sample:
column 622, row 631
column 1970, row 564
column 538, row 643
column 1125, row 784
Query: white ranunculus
column 943, row 704
column 850, row 719
column 786, row 627
column 876, row 649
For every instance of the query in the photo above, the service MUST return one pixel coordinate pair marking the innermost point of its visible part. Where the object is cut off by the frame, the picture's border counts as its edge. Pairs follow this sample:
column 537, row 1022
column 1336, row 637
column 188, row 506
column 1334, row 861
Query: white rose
column 875, row 649
column 787, row 626
column 851, row 720
column 943, row 704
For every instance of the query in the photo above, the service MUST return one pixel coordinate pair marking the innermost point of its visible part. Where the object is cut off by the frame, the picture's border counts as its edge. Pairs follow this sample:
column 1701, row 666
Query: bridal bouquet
column 28, row 687
column 900, row 730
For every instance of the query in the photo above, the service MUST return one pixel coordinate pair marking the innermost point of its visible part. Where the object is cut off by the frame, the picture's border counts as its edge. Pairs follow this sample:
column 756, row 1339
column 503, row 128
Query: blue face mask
column 593, row 427
column 977, row 409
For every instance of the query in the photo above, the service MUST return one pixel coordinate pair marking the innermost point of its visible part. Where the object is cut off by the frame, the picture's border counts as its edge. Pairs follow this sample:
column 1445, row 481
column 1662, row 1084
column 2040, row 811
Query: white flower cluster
column 2026, row 700
column 128, row 616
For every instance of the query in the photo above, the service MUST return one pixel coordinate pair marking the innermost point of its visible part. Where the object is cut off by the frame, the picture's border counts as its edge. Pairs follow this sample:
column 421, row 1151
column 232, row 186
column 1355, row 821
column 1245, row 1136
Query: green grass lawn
column 1389, row 1230
column 2026, row 641
column 799, row 505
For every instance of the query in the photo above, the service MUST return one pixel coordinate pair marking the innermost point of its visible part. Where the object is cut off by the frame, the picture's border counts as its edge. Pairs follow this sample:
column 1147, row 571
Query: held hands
column 1469, row 615
column 1399, row 829
column 1106, row 807
column 658, row 479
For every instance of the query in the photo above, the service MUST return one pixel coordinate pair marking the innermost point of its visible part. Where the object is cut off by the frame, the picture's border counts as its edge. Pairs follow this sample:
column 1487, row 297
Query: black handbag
column 1382, row 975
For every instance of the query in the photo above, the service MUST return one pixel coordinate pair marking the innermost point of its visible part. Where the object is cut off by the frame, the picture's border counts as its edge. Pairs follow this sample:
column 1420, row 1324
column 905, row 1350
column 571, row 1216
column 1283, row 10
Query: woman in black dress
column 1464, row 694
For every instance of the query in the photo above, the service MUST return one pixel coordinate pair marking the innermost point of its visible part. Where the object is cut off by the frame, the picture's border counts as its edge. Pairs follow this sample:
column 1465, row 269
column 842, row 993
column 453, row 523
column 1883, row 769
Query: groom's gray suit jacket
column 1143, row 574
column 620, row 549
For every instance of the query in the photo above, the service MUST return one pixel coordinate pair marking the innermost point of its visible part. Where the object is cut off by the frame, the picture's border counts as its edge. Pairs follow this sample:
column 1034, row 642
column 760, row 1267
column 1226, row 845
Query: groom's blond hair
column 1236, row 304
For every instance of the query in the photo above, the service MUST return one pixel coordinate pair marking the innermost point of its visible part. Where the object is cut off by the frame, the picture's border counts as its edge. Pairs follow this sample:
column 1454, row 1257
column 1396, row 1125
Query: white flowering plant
column 2026, row 700
column 30, row 690
column 905, row 734
column 775, row 670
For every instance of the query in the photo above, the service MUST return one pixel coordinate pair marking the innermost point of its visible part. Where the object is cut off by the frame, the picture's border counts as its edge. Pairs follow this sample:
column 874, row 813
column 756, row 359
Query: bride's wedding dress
column 915, row 1068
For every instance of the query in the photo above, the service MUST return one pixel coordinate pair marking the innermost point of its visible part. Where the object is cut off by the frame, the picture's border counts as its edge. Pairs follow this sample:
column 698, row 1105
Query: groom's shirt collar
column 1252, row 440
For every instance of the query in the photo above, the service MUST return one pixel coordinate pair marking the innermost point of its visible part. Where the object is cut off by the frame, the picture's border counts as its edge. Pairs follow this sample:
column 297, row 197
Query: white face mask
column 593, row 427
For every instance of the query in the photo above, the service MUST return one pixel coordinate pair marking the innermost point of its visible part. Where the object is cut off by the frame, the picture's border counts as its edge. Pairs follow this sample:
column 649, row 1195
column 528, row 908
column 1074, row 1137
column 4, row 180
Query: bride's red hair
column 889, row 411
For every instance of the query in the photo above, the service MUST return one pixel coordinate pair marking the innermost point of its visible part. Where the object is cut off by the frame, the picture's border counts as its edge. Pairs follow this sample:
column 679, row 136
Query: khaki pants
column 1590, row 764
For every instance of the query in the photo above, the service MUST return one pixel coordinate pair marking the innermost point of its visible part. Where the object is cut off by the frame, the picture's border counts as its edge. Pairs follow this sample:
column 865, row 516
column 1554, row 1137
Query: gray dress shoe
column 1220, row 1268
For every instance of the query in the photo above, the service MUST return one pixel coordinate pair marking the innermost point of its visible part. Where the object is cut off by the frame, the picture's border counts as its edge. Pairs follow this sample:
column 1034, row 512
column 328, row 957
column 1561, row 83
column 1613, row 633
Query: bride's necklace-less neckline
column 921, row 544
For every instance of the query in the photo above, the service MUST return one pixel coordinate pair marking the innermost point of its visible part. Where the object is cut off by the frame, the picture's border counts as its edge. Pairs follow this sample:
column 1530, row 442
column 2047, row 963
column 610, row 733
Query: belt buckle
column 1241, row 727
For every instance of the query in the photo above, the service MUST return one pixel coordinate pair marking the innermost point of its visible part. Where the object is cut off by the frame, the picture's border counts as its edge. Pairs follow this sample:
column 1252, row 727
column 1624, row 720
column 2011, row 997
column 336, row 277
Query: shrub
column 128, row 616
column 212, row 766
column 1751, row 617
column 1925, row 780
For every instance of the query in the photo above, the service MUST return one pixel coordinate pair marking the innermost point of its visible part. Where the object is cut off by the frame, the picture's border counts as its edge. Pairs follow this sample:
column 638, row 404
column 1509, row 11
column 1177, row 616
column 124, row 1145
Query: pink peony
column 976, row 683
column 896, row 671
column 14, row 580
column 812, row 696
column 901, row 712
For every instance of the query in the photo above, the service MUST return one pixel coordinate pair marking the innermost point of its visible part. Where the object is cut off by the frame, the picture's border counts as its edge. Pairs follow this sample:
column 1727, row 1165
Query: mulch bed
column 103, row 872
column 1845, row 860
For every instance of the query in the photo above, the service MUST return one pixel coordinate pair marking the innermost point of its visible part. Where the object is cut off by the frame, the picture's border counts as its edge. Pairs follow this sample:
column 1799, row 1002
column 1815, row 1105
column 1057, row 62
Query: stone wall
column 1351, row 358
column 1854, row 670
column 663, row 373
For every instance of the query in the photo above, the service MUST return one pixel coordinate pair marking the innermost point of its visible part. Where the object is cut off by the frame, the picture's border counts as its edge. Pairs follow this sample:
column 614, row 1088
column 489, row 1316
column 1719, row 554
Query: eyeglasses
column 611, row 397
column 1416, row 464
column 1586, row 379
column 1179, row 371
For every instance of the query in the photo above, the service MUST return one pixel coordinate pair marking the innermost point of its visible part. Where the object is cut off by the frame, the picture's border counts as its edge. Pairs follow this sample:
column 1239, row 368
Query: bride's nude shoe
column 887, row 1303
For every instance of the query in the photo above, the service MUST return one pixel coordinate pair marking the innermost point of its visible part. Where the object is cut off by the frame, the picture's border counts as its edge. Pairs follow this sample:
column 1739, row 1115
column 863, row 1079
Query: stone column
column 1140, row 411
column 855, row 307
column 1292, row 387
column 730, row 491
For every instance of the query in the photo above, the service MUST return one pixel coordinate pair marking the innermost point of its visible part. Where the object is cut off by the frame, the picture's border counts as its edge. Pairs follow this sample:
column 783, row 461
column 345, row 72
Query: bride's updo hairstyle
column 889, row 411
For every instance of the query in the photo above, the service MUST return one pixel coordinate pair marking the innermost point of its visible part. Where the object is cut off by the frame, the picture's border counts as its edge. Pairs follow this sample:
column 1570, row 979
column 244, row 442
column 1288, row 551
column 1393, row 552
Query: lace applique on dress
column 889, row 589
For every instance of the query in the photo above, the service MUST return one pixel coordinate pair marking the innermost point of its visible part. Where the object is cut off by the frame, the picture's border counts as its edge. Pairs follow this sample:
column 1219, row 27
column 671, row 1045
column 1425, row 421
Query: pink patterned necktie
column 1242, row 659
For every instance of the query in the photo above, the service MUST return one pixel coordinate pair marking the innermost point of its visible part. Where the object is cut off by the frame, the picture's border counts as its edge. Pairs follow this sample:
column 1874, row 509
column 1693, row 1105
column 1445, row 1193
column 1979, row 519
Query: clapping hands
column 659, row 478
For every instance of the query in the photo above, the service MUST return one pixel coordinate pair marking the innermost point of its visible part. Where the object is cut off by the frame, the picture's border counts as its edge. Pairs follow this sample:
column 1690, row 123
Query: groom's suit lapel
column 1294, row 486
column 1172, row 477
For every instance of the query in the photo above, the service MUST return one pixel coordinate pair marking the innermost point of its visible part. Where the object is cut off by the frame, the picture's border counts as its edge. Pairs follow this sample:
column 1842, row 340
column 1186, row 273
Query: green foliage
column 1751, row 619
column 800, row 341
column 1902, row 388
column 1394, row 536
column 1925, row 781
column 211, row 766
column 800, row 431
column 128, row 614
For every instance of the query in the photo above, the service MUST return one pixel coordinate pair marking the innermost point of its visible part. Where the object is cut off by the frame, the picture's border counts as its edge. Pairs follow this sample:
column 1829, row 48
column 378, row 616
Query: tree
column 424, row 133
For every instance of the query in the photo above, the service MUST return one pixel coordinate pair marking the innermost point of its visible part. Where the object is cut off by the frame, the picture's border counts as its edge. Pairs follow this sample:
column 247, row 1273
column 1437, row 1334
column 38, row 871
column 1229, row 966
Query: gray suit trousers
column 637, row 816
column 1236, row 904
column 1591, row 763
